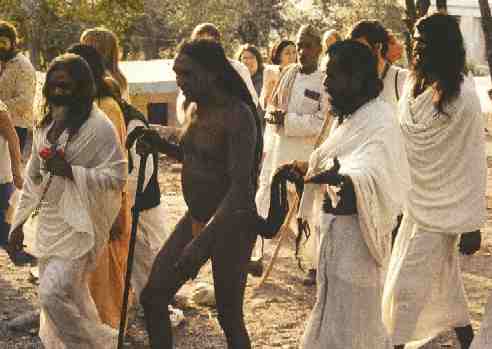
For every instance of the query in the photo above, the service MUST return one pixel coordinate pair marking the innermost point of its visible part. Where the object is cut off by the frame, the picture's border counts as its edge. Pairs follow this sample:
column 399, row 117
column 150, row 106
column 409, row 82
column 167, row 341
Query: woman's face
column 395, row 49
column 288, row 56
column 249, row 60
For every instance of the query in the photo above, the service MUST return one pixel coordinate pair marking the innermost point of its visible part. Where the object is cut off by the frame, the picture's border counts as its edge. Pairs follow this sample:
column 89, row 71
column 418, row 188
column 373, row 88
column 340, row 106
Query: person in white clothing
column 298, row 109
column 152, row 232
column 443, row 130
column 373, row 34
column 10, row 169
column 69, row 201
column 364, row 156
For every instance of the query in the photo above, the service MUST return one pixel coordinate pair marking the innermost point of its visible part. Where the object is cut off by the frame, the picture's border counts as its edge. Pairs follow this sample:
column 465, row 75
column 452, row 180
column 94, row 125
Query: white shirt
column 303, row 121
column 5, row 165
column 393, row 86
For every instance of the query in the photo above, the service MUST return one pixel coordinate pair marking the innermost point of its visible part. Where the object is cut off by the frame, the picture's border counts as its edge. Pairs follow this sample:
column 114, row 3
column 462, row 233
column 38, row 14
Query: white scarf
column 447, row 159
column 370, row 149
column 90, row 203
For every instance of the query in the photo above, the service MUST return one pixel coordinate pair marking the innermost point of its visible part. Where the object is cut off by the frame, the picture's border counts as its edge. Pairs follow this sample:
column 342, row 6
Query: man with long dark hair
column 70, row 198
column 364, row 156
column 221, row 150
column 442, row 126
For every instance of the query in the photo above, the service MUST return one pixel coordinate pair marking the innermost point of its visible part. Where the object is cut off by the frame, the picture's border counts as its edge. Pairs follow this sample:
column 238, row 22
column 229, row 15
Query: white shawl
column 90, row 203
column 447, row 159
column 370, row 149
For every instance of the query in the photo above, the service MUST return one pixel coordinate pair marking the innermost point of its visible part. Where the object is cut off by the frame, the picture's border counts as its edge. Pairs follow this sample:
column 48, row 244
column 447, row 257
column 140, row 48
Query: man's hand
column 276, row 117
column 330, row 176
column 470, row 242
column 16, row 242
column 347, row 204
column 148, row 141
column 58, row 166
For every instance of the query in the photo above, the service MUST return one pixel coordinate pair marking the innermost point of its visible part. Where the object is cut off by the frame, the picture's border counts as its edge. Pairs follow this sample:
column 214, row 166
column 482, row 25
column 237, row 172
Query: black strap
column 385, row 70
column 397, row 93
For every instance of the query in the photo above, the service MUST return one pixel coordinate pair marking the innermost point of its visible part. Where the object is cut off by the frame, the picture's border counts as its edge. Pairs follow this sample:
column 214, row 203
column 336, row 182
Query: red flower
column 45, row 153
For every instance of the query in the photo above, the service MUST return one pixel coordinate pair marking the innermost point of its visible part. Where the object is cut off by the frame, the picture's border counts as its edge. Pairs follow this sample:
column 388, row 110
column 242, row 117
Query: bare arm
column 7, row 131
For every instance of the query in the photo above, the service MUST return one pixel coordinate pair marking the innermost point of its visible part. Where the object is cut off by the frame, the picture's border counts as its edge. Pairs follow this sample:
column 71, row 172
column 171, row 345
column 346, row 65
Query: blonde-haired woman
column 106, row 43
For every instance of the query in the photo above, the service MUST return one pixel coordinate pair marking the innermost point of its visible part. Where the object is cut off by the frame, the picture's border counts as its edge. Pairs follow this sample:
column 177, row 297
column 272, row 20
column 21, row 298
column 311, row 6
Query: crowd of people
column 384, row 169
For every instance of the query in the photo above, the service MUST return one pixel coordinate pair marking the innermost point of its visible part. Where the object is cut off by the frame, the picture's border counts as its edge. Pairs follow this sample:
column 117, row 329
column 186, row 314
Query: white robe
column 424, row 292
column 295, row 140
column 73, row 226
column 152, row 231
column 355, row 249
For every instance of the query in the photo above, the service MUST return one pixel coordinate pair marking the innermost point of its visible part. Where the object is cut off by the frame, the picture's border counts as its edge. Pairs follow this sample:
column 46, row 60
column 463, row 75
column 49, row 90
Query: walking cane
column 131, row 250
column 292, row 213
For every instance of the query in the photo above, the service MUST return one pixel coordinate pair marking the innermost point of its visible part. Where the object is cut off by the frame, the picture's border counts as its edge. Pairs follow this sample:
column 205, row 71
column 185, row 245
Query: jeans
column 6, row 191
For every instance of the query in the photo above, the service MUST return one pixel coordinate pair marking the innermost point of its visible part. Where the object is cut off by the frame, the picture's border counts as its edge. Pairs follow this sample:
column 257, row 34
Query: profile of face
column 308, row 50
column 249, row 60
column 6, row 48
column 418, row 51
column 288, row 55
column 338, row 85
column 395, row 49
column 192, row 78
column 60, row 92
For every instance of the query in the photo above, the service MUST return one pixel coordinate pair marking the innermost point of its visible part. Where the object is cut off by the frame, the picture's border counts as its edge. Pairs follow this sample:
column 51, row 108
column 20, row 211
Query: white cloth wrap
column 370, row 149
column 88, row 205
column 447, row 159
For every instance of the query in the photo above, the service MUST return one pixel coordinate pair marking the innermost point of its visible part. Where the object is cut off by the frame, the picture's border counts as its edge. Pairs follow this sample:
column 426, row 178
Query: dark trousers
column 22, row 134
column 6, row 191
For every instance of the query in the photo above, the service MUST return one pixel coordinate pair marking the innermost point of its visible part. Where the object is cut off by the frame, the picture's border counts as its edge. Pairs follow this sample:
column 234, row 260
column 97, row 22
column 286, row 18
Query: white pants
column 69, row 318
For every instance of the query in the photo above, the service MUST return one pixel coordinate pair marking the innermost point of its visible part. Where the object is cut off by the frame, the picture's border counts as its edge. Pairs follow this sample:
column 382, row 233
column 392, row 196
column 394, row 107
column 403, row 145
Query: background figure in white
column 387, row 50
column 298, row 109
column 364, row 156
column 152, row 231
column 74, row 177
column 443, row 130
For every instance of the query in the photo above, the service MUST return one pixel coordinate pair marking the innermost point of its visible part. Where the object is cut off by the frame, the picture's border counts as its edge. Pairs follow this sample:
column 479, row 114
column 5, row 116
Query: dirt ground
column 275, row 314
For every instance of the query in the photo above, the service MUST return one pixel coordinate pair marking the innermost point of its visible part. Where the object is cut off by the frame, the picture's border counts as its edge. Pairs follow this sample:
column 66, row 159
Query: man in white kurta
column 299, row 108
column 75, row 216
column 424, row 294
column 356, row 234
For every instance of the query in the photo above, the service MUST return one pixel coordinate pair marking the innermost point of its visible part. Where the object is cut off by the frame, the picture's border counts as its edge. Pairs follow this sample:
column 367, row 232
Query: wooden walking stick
column 293, row 210
column 131, row 250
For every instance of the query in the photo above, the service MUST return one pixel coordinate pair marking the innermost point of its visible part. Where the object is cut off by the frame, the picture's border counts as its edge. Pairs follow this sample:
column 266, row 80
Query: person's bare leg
column 164, row 282
column 465, row 336
column 229, row 262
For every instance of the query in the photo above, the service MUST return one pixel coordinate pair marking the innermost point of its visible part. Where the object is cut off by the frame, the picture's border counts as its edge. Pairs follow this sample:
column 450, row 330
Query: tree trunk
column 487, row 30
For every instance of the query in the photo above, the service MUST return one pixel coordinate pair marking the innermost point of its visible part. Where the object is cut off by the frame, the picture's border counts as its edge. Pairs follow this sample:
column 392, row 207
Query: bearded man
column 17, row 81
column 69, row 201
